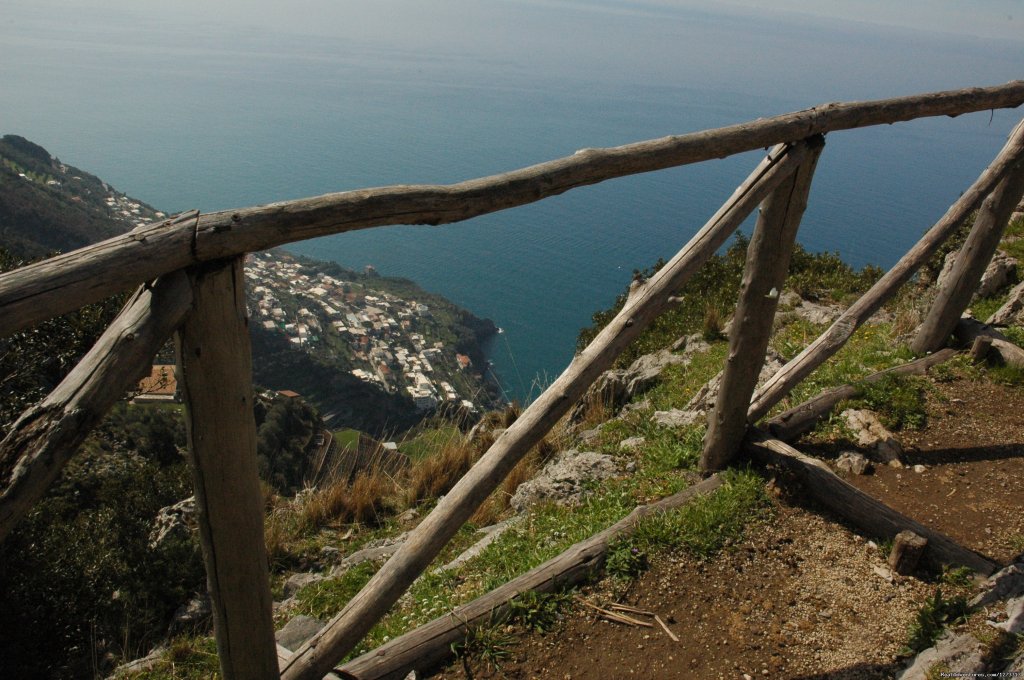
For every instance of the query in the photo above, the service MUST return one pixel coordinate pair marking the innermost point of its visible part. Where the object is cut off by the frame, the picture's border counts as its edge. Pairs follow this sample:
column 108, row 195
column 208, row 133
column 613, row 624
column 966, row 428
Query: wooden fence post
column 765, row 271
column 955, row 293
column 215, row 367
column 832, row 340
column 318, row 655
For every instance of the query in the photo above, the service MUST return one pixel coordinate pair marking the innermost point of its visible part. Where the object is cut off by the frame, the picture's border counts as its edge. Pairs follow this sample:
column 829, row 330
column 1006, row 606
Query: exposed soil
column 972, row 448
column 802, row 597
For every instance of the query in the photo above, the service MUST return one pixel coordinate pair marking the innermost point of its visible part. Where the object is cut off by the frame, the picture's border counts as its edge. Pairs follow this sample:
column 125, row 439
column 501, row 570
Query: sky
column 407, row 19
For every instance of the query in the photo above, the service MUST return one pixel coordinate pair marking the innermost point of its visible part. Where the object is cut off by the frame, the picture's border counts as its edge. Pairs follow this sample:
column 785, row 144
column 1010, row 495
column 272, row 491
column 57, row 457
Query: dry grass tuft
column 434, row 475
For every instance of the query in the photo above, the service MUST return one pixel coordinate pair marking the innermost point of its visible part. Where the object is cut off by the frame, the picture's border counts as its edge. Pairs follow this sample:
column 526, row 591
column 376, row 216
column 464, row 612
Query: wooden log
column 796, row 421
column 833, row 339
column 215, row 366
column 430, row 644
column 763, row 275
column 429, row 537
column 956, row 291
column 907, row 549
column 858, row 508
column 968, row 331
column 47, row 435
column 981, row 347
column 37, row 292
column 66, row 282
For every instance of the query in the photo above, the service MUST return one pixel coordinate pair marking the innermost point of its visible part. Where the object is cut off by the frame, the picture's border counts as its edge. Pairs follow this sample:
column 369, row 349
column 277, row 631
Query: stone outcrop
column 1012, row 311
column 998, row 274
column 792, row 303
column 297, row 631
column 563, row 479
column 704, row 400
column 174, row 522
column 616, row 387
column 873, row 436
column 963, row 654
column 852, row 463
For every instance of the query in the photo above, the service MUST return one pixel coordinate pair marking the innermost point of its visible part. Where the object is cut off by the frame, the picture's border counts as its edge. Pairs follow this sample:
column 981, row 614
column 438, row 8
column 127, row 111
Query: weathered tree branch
column 47, row 435
column 768, row 254
column 63, row 283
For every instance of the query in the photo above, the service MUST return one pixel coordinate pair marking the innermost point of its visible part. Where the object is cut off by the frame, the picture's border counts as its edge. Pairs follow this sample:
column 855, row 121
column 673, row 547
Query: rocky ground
column 803, row 596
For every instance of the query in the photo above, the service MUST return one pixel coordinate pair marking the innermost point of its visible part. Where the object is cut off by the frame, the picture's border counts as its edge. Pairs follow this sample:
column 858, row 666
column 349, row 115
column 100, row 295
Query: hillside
column 48, row 206
column 96, row 573
column 380, row 381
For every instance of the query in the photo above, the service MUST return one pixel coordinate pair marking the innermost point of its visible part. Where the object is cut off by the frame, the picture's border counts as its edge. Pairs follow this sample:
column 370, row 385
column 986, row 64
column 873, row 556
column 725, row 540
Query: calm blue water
column 200, row 114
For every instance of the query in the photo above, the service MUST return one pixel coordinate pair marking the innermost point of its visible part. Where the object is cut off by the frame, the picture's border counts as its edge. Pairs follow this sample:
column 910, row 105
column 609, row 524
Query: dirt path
column 801, row 597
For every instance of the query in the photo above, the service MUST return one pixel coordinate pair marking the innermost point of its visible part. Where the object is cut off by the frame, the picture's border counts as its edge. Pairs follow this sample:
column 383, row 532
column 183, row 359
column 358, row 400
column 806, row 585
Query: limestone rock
column 1000, row 271
column 677, row 418
column 590, row 436
column 176, row 521
column 491, row 534
column 704, row 400
column 632, row 443
column 562, row 480
column 811, row 311
column 195, row 616
column 373, row 550
column 871, row 434
column 297, row 582
column 1006, row 583
column 852, row 463
column 619, row 386
column 957, row 654
column 1012, row 311
column 297, row 631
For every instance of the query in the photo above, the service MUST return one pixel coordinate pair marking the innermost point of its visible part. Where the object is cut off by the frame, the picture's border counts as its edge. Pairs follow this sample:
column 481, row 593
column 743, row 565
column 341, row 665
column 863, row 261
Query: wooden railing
column 189, row 270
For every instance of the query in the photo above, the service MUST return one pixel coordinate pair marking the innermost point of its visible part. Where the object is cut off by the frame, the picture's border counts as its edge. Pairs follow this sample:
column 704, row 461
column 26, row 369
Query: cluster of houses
column 384, row 334
column 127, row 210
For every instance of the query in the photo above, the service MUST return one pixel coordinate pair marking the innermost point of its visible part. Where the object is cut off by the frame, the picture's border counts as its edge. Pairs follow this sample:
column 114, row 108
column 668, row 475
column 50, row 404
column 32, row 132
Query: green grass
column 187, row 658
column 429, row 441
column 347, row 439
column 932, row 618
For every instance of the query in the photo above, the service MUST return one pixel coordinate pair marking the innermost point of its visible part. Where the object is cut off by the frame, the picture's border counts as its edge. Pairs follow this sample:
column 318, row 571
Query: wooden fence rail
column 832, row 340
column 66, row 282
column 340, row 636
column 198, row 291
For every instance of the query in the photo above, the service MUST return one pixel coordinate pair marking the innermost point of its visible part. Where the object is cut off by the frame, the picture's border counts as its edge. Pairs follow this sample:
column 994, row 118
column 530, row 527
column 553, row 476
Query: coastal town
column 387, row 341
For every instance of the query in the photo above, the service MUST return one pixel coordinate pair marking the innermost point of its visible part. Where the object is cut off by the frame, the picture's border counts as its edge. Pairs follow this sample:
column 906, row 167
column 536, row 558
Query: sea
column 208, row 106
